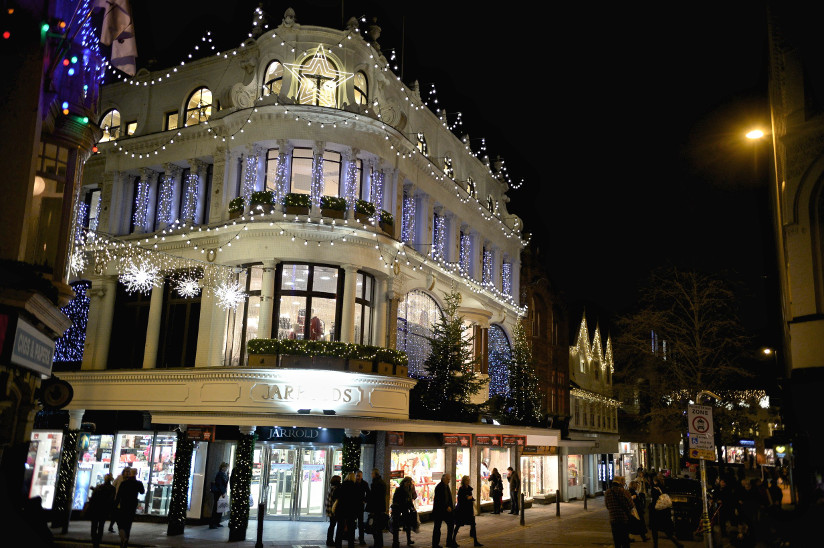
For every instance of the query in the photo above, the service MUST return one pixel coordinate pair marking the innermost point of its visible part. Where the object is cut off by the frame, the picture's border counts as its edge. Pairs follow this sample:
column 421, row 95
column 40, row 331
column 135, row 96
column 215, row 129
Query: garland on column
column 65, row 480
column 178, row 503
column 350, row 461
column 191, row 193
column 68, row 348
column 241, row 483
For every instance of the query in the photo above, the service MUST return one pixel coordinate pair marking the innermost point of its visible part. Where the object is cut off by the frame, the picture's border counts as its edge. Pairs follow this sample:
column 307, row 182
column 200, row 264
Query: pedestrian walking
column 116, row 484
column 514, row 491
column 404, row 514
column 376, row 508
column 362, row 489
column 660, row 514
column 219, row 487
column 728, row 504
column 619, row 505
column 496, row 490
column 125, row 503
column 100, row 508
column 443, row 512
column 637, row 525
column 346, row 508
column 465, row 512
column 331, row 497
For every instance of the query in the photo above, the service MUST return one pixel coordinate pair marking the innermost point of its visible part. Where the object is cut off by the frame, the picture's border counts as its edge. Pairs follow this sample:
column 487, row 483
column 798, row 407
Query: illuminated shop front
column 94, row 454
column 575, row 476
column 43, row 462
column 743, row 453
column 152, row 456
column 493, row 455
column 539, row 471
column 425, row 466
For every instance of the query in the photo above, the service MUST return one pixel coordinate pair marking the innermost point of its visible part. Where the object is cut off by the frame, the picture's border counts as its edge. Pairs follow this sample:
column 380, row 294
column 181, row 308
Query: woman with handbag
column 637, row 525
column 403, row 510
column 465, row 512
column 219, row 487
column 660, row 514
column 496, row 489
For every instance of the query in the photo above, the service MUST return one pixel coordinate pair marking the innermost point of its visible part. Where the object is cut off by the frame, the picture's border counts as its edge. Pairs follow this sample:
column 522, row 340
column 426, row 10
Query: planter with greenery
column 387, row 222
column 305, row 354
column 332, row 206
column 236, row 207
column 263, row 200
column 364, row 210
column 297, row 204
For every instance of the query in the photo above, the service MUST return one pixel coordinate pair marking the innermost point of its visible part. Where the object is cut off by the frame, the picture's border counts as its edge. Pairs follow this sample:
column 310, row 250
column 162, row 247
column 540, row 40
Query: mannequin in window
column 315, row 327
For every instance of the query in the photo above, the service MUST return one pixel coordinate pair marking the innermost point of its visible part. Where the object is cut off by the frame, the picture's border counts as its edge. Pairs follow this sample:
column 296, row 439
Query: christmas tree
column 524, row 404
column 450, row 382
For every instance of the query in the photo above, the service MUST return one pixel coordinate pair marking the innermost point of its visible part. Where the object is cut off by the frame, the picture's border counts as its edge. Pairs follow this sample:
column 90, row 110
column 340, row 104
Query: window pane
column 256, row 278
column 363, row 322
column 331, row 173
column 171, row 120
column 322, row 322
column 273, row 79
column 271, row 168
column 326, row 280
column 252, row 317
column 302, row 170
column 293, row 315
column 131, row 127
column 295, row 277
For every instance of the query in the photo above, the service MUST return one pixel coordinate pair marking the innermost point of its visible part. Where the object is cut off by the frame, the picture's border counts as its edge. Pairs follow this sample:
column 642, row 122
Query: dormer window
column 110, row 124
column 199, row 107
column 421, row 144
column 361, row 89
column 273, row 78
column 447, row 167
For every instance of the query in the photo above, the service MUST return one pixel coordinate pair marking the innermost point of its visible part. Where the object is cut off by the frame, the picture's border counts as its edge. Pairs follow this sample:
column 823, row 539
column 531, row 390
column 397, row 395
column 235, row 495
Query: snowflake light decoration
column 140, row 275
column 188, row 287
column 77, row 262
column 229, row 295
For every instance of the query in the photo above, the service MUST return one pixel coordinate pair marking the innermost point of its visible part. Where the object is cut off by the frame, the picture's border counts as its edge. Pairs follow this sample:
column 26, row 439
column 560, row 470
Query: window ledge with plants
column 327, row 355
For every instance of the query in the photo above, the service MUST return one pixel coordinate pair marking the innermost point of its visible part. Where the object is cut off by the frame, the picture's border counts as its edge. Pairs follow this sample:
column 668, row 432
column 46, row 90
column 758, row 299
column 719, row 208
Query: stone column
column 180, row 483
column 153, row 327
column 103, row 329
column 453, row 238
column 217, row 338
column 380, row 335
column 144, row 208
column 369, row 166
column 241, row 482
column 218, row 205
column 193, row 194
column 110, row 193
column 204, row 329
column 267, row 295
column 475, row 476
column 347, row 322
column 475, row 254
column 168, row 196
column 64, row 489
column 249, row 174
column 316, row 187
column 422, row 241
column 95, row 294
column 407, row 217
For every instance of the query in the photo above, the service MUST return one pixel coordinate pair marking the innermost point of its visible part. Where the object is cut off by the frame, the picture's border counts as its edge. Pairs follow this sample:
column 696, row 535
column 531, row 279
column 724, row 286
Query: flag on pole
column 118, row 32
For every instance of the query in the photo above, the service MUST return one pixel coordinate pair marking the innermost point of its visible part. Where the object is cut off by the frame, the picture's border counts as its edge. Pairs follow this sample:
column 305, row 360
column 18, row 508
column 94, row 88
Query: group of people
column 114, row 499
column 630, row 507
column 345, row 504
column 746, row 504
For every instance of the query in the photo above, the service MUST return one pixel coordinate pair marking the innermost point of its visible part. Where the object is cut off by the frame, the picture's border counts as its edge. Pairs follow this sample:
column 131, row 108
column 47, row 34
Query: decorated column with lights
column 408, row 214
column 168, row 196
column 350, row 182
column 64, row 489
column 347, row 323
column 153, row 327
column 506, row 275
column 267, row 296
column 378, row 180
column 193, row 195
column 316, row 188
column 241, row 484
column 178, row 502
column 219, row 201
column 284, row 169
column 250, row 176
column 369, row 167
column 487, row 264
column 465, row 250
column 438, row 233
column 350, row 459
column 140, row 215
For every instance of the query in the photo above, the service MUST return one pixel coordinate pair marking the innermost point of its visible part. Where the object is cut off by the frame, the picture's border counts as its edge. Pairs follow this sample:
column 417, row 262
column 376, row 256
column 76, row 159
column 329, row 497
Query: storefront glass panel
column 574, row 470
column 95, row 459
column 312, row 483
column 493, row 457
column 44, row 460
column 462, row 465
column 153, row 459
column 425, row 467
column 539, row 475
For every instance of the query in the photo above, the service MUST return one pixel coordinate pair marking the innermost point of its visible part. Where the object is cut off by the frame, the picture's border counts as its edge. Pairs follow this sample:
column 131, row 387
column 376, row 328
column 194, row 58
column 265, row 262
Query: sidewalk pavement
column 575, row 527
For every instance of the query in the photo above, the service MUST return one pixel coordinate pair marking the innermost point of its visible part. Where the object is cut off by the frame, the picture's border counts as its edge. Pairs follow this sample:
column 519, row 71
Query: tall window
column 110, row 124
column 361, row 89
column 198, row 107
column 272, row 159
column 364, row 291
column 178, row 329
column 170, row 120
column 499, row 353
column 243, row 321
column 448, row 170
column 129, row 322
column 421, row 144
column 307, row 301
column 44, row 221
column 273, row 78
column 417, row 315
column 302, row 171
column 331, row 173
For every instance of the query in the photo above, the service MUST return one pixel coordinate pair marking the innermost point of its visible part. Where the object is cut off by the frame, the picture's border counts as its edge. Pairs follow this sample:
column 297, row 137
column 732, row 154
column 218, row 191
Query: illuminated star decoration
column 140, row 275
column 318, row 79
column 188, row 287
column 229, row 295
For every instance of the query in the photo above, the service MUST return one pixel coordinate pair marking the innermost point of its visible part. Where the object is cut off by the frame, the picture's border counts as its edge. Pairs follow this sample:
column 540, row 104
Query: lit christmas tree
column 524, row 404
column 450, row 382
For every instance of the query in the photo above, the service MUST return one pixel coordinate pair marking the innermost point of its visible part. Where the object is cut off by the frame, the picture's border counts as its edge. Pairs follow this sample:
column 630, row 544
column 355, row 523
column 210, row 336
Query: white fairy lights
column 140, row 275
column 229, row 295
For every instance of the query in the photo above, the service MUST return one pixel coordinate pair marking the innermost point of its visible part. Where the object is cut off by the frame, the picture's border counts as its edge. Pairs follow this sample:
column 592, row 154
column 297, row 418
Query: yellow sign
column 707, row 454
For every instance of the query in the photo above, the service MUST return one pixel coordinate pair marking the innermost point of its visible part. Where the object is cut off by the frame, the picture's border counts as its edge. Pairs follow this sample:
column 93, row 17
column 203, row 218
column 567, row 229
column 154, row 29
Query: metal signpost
column 702, row 446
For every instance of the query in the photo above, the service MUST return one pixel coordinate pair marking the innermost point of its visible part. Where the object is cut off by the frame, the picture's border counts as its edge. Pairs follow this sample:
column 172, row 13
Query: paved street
column 575, row 527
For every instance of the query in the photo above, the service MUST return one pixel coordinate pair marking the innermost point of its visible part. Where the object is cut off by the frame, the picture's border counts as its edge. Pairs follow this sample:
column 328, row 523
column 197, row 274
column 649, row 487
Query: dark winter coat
column 221, row 484
column 376, row 498
column 465, row 507
column 496, row 485
column 442, row 504
column 100, row 505
column 126, row 499
column 348, row 501
column 362, row 489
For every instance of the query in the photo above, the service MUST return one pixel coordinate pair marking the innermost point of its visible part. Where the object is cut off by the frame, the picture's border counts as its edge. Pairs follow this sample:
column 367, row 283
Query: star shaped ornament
column 318, row 80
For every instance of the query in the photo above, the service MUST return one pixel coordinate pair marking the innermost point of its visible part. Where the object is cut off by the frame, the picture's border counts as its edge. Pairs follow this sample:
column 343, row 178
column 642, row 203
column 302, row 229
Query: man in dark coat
column 619, row 506
column 514, row 490
column 348, row 502
column 125, row 504
column 219, row 487
column 376, row 507
column 100, row 507
column 442, row 511
column 362, row 489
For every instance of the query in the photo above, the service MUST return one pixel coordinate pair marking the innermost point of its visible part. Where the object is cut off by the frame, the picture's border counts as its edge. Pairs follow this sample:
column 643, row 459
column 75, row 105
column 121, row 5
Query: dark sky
column 626, row 122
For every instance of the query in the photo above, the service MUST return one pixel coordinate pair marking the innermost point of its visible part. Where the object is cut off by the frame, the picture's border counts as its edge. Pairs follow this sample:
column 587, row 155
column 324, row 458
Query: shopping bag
column 635, row 514
column 664, row 501
column 223, row 504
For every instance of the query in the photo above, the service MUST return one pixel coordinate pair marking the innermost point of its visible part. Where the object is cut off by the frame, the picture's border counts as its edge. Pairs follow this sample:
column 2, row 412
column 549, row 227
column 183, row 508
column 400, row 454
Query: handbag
column 664, row 501
column 222, row 504
column 634, row 514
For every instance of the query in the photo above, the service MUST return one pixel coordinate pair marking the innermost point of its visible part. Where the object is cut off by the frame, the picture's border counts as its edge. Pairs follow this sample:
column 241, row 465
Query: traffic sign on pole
column 699, row 420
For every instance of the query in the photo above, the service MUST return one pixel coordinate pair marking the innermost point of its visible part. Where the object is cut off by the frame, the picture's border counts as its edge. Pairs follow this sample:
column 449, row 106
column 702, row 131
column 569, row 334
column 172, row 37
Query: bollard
column 261, row 513
column 522, row 508
column 585, row 498
column 557, row 503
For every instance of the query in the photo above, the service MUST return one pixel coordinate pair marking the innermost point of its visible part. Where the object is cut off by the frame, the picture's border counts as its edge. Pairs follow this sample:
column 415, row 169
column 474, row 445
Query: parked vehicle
column 686, row 505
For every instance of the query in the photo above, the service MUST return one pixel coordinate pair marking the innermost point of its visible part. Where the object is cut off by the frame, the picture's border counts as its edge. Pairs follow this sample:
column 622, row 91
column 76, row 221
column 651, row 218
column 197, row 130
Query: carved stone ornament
column 242, row 96
column 289, row 18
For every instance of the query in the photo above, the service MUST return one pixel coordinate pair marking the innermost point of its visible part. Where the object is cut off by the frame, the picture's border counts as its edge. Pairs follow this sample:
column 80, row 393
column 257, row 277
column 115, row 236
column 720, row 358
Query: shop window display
column 44, row 460
column 307, row 302
column 462, row 467
column 94, row 462
column 539, row 475
column 152, row 456
column 574, row 475
column 493, row 457
column 425, row 467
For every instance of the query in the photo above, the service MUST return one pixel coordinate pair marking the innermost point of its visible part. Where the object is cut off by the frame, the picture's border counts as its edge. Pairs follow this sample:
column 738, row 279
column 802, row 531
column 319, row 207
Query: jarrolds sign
column 312, row 395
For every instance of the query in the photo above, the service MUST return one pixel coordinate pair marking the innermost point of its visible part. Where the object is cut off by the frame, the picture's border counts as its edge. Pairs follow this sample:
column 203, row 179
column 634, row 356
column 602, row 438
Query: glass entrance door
column 312, row 488
column 280, row 495
column 292, row 480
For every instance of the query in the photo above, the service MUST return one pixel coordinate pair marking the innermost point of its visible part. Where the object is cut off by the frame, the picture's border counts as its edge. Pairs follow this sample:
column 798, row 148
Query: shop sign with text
column 457, row 440
column 488, row 440
column 510, row 441
column 307, row 395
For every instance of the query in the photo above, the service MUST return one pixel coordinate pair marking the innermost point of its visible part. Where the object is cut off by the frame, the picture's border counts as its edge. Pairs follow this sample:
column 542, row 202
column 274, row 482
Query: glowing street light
column 755, row 134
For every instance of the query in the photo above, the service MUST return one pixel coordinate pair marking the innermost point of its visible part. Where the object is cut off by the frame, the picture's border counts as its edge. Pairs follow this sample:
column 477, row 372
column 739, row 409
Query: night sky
column 625, row 121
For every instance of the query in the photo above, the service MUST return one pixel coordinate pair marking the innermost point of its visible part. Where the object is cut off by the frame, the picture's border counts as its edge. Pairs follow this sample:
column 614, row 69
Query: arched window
column 198, row 107
column 319, row 81
column 421, row 144
column 273, row 78
column 500, row 353
column 361, row 89
column 110, row 124
column 470, row 187
column 447, row 167
column 417, row 315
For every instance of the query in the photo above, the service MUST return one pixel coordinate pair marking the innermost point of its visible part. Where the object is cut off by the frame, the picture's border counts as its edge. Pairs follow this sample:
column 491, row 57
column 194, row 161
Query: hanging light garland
column 140, row 276
column 229, row 295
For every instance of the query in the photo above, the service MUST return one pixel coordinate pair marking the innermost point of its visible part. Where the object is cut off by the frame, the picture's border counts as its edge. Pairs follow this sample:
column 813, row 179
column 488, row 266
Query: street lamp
column 755, row 134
